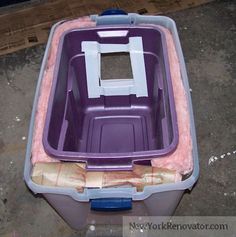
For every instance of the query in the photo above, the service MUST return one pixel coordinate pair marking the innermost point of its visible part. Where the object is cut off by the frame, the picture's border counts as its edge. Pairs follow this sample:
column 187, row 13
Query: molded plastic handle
column 113, row 11
column 113, row 17
column 111, row 204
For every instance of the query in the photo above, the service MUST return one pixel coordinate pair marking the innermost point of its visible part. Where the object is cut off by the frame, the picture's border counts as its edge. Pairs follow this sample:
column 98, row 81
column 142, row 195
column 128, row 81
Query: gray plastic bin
column 81, row 209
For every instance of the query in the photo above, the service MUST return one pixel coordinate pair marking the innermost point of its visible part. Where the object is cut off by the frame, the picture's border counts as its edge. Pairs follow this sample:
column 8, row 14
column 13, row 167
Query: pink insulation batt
column 180, row 160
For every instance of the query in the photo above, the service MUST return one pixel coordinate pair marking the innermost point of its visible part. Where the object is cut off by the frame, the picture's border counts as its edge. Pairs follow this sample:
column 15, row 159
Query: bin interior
column 81, row 128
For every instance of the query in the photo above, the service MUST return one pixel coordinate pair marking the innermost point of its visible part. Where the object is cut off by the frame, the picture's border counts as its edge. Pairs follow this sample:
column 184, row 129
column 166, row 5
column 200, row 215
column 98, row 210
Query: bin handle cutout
column 112, row 33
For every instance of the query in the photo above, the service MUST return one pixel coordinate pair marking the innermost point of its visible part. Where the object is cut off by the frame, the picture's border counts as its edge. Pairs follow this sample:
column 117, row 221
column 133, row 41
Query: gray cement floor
column 208, row 39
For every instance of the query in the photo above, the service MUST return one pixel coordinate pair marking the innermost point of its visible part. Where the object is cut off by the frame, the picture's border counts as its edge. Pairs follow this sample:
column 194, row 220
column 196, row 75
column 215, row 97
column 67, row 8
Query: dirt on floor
column 208, row 37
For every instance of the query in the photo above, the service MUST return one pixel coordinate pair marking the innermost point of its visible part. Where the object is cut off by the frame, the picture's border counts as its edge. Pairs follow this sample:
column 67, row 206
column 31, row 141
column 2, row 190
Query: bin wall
column 78, row 214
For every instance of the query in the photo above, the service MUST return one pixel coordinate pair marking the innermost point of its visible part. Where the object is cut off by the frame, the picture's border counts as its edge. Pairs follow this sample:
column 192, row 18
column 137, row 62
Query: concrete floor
column 208, row 39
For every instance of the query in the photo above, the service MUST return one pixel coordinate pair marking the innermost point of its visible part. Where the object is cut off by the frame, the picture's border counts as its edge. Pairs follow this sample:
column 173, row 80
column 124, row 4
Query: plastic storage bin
column 111, row 122
column 108, row 205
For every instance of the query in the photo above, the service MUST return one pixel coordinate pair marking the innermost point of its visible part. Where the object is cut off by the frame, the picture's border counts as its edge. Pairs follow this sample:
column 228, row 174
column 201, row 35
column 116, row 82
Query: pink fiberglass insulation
column 38, row 153
column 180, row 160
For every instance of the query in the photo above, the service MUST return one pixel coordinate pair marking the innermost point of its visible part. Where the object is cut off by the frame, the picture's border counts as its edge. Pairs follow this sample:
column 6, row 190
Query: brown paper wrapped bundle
column 74, row 175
